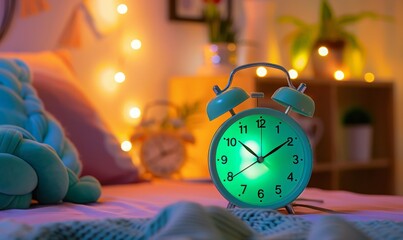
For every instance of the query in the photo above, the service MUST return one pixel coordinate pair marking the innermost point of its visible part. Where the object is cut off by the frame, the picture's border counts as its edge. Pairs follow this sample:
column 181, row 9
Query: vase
column 218, row 58
column 324, row 66
column 313, row 127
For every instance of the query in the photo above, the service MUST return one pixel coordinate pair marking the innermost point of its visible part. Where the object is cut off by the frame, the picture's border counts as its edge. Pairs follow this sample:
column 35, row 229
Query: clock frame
column 262, row 168
column 161, row 142
column 260, row 158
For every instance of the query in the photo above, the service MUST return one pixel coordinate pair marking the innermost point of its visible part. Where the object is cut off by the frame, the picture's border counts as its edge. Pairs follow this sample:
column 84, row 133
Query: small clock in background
column 162, row 143
column 163, row 154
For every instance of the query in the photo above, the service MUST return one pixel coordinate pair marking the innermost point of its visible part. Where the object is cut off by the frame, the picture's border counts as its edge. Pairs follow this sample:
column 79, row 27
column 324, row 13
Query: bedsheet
column 145, row 200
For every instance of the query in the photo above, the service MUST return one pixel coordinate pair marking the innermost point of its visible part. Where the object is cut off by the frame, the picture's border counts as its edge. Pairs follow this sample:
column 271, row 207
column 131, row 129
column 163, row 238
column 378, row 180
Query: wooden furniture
column 331, row 168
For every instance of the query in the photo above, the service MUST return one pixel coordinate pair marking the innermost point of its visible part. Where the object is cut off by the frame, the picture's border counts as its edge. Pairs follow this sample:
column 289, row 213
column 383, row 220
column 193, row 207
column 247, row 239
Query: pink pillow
column 99, row 150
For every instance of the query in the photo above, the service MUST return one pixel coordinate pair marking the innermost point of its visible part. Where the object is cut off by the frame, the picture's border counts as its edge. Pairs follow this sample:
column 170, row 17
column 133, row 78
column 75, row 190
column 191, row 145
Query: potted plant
column 358, row 129
column 343, row 47
column 220, row 53
column 220, row 30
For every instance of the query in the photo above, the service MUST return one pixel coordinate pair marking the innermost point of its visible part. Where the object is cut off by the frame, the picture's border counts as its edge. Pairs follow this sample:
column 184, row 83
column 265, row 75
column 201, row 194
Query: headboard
column 8, row 7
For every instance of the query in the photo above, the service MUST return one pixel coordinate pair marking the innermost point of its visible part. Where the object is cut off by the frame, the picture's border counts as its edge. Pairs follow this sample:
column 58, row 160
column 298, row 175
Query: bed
column 130, row 207
column 168, row 209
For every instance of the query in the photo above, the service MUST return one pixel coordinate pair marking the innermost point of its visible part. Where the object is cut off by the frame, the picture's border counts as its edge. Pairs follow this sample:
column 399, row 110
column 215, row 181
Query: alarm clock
column 162, row 150
column 260, row 157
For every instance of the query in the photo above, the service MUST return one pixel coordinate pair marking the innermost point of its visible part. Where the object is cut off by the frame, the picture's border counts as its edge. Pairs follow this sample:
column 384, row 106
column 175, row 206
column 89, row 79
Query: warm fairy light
column 134, row 112
column 339, row 75
column 231, row 47
column 293, row 73
column 135, row 44
column 119, row 77
column 122, row 8
column 369, row 77
column 126, row 146
column 323, row 51
column 261, row 71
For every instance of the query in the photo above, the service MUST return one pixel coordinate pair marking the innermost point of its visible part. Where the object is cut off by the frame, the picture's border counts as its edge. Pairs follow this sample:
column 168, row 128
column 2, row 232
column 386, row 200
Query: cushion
column 98, row 148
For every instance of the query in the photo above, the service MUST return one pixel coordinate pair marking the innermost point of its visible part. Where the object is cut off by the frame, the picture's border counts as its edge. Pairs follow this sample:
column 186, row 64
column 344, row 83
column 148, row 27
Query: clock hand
column 250, row 165
column 276, row 148
column 261, row 141
column 168, row 151
column 249, row 149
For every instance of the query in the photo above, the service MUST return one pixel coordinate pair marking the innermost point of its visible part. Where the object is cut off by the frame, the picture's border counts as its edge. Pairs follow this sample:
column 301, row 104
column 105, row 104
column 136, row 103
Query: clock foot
column 230, row 205
column 289, row 209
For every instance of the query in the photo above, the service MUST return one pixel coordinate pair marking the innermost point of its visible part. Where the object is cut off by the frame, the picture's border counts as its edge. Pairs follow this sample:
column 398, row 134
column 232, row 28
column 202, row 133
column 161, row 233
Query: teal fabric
column 37, row 161
column 187, row 220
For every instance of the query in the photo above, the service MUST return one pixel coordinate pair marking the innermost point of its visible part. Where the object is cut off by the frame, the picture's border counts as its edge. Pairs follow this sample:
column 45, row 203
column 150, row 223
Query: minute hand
column 275, row 149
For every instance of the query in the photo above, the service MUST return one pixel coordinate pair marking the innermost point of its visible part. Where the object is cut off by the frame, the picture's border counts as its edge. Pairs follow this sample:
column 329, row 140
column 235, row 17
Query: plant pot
column 325, row 66
column 218, row 58
column 359, row 142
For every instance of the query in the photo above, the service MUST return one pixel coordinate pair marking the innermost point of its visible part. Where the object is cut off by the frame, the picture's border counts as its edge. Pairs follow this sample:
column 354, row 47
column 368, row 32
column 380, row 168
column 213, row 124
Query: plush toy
column 37, row 161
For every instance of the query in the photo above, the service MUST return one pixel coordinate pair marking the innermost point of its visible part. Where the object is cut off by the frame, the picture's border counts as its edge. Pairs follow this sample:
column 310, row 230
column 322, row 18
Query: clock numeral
column 278, row 129
column 261, row 123
column 260, row 193
column 290, row 177
column 223, row 159
column 230, row 176
column 296, row 159
column 278, row 189
column 243, row 129
column 290, row 140
column 231, row 142
column 244, row 188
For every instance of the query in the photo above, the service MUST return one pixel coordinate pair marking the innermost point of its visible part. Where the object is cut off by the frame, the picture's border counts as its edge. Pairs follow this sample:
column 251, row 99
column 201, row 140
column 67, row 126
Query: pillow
column 57, row 87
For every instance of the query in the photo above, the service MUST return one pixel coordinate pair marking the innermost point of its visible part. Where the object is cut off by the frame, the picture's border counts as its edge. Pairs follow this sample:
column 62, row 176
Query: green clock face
column 260, row 158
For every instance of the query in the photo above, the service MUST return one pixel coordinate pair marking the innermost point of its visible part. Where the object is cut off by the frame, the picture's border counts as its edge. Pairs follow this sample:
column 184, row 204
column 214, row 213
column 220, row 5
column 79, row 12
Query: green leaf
column 353, row 54
column 326, row 12
column 293, row 20
column 353, row 18
column 327, row 24
column 301, row 50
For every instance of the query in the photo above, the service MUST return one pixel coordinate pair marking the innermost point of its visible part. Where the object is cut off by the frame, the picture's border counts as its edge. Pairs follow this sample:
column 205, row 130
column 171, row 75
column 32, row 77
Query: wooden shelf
column 376, row 163
column 322, row 167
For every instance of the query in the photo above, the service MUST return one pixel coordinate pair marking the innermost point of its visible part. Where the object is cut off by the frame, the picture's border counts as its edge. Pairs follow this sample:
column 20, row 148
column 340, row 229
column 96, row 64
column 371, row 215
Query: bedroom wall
column 175, row 48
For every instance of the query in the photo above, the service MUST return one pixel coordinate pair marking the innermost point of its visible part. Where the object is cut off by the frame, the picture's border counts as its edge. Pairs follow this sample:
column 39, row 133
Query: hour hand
column 249, row 149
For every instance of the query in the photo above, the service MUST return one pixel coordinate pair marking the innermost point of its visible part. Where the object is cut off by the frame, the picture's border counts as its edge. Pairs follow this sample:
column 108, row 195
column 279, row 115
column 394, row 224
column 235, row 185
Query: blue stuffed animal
column 37, row 161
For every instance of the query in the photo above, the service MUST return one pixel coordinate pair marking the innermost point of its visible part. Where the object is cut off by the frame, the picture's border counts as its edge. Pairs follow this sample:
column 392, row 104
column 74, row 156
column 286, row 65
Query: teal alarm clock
column 260, row 157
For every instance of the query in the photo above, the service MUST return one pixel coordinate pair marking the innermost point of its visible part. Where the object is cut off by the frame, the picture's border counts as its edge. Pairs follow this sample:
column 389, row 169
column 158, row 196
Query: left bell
column 225, row 102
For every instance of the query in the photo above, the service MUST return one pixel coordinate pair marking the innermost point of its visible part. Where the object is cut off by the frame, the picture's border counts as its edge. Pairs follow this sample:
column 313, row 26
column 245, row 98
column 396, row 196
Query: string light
column 339, row 75
column 122, row 8
column 261, row 71
column 119, row 77
column 126, row 146
column 369, row 77
column 135, row 44
column 293, row 73
column 323, row 51
column 134, row 112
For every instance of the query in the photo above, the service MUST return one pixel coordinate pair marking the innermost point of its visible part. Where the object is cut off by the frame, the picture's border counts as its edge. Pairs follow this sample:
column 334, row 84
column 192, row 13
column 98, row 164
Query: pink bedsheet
column 143, row 200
